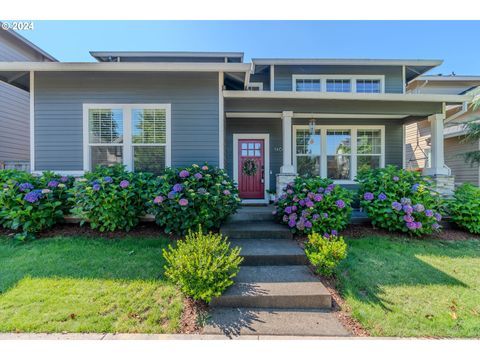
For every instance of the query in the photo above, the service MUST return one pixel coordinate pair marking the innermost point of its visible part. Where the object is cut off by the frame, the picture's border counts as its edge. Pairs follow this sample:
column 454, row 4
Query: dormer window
column 339, row 83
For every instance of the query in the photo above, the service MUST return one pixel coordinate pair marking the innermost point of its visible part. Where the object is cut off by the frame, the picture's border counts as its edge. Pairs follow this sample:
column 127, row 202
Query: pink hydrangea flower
column 204, row 167
column 158, row 200
column 183, row 202
column 183, row 174
column 124, row 184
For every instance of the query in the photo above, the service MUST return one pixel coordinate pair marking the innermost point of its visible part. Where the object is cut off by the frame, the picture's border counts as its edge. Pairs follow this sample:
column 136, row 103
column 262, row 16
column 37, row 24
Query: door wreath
column 249, row 167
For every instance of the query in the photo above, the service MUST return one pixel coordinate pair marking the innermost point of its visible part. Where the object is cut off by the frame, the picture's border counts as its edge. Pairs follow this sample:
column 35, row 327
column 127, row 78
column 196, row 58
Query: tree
column 473, row 135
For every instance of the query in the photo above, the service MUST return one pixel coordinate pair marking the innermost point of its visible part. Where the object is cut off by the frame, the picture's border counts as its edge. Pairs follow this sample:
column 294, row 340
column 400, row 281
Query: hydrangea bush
column 464, row 208
column 111, row 198
column 196, row 195
column 399, row 200
column 30, row 204
column 314, row 205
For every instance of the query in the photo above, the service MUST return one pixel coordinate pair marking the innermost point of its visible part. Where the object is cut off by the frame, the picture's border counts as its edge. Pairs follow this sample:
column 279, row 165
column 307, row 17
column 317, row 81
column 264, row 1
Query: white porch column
column 437, row 166
column 287, row 167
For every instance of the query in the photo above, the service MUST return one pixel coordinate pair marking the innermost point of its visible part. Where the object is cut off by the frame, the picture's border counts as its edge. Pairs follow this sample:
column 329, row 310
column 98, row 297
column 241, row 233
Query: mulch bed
column 193, row 312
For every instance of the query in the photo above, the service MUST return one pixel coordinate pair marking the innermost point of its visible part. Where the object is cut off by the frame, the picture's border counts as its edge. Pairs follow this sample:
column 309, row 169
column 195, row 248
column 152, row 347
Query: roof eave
column 393, row 62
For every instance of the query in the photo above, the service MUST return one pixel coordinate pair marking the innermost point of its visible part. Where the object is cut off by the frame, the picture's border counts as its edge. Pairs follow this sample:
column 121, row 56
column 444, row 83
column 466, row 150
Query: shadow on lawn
column 374, row 263
column 82, row 258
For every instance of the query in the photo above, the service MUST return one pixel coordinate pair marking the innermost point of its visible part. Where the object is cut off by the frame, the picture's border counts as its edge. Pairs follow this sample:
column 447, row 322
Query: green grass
column 412, row 287
column 77, row 284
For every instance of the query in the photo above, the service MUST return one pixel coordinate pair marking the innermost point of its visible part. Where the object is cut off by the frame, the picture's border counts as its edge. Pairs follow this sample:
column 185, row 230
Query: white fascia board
column 119, row 66
column 447, row 78
column 394, row 62
column 346, row 96
column 164, row 54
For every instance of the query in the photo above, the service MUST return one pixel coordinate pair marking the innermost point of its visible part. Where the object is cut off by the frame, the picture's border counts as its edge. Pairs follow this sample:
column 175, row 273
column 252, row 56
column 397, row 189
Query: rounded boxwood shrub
column 464, row 208
column 111, row 198
column 399, row 200
column 325, row 252
column 202, row 265
column 314, row 205
column 196, row 195
column 27, row 206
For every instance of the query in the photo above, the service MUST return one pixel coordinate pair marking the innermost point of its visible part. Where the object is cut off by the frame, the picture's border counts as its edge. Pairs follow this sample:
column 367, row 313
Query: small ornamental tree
column 314, row 205
column 399, row 200
column 192, row 196
column 464, row 208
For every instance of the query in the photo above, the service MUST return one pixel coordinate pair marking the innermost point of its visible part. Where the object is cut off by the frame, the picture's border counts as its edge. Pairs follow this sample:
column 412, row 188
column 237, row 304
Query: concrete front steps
column 275, row 293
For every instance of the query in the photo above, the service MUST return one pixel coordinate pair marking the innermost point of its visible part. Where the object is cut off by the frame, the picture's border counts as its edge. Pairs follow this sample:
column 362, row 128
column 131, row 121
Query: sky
column 456, row 42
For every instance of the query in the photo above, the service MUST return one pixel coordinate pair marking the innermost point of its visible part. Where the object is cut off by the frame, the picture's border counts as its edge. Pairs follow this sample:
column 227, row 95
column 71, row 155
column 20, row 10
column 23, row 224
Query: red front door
column 251, row 160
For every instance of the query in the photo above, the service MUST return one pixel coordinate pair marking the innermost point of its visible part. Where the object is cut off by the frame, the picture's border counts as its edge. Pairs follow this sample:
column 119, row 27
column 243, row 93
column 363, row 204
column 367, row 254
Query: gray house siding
column 273, row 127
column 463, row 172
column 11, row 49
column 393, row 138
column 393, row 74
column 14, row 124
column 59, row 99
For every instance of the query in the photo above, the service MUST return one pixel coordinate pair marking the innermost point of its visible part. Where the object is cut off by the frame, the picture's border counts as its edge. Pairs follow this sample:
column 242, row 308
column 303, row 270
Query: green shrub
column 26, row 205
column 189, row 197
column 464, row 208
column 111, row 198
column 203, row 266
column 399, row 200
column 314, row 205
column 325, row 252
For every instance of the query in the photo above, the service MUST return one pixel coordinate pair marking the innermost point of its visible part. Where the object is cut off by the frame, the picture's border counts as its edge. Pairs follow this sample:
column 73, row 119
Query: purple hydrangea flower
column 293, row 216
column 368, row 196
column 415, row 187
column 406, row 201
column 419, row 208
column 310, row 195
column 408, row 209
column 382, row 197
column 300, row 225
column 396, row 206
column 292, row 223
column 171, row 194
column 309, row 203
column 418, row 225
column 330, row 187
column 63, row 179
column 302, row 202
column 340, row 204
column 436, row 226
column 428, row 213
column 308, row 224
column 320, row 189
column 295, row 198
column 124, row 184
column 158, row 200
column 226, row 192
column 304, row 213
column 183, row 174
column 315, row 217
column 53, row 184
column 285, row 218
column 177, row 188
column 408, row 218
column 294, row 208
column 411, row 225
column 108, row 179
column 325, row 215
column 198, row 176
column 438, row 217
column 96, row 187
column 334, row 232
column 326, row 235
column 318, row 198
column 289, row 191
column 396, row 178
column 33, row 196
column 183, row 202
column 25, row 186
column 288, row 210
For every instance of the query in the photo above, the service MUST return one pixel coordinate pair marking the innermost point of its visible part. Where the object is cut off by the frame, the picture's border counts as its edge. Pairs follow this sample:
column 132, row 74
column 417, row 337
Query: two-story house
column 263, row 121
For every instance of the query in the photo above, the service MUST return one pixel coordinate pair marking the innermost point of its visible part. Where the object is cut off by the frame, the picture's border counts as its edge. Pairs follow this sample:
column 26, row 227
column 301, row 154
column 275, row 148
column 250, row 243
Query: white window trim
column 353, row 156
column 353, row 80
column 266, row 139
column 127, row 133
column 259, row 85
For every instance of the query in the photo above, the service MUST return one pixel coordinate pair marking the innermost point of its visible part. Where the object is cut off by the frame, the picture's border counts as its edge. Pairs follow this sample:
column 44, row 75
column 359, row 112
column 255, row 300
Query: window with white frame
column 134, row 135
column 338, row 152
column 339, row 83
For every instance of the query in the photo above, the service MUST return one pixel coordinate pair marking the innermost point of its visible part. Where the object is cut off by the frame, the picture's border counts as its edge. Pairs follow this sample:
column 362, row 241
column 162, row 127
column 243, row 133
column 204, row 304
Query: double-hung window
column 338, row 152
column 339, row 83
column 136, row 135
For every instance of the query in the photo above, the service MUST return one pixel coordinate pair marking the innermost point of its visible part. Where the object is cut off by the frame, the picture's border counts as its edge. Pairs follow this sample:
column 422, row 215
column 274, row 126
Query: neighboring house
column 418, row 134
column 15, row 100
column 148, row 110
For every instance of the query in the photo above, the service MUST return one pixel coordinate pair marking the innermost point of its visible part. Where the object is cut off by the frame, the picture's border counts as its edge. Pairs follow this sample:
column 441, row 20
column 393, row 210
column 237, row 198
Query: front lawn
column 398, row 287
column 80, row 284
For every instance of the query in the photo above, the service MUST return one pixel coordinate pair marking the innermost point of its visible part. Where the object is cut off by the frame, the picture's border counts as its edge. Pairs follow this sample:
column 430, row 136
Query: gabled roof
column 31, row 45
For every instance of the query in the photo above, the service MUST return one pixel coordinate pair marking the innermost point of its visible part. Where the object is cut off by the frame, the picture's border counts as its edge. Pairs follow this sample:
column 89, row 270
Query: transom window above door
column 339, row 83
column 136, row 135
column 338, row 152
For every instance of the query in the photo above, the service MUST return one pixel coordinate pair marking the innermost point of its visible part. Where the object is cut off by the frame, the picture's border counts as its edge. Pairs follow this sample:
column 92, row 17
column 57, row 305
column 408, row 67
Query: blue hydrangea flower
column 382, row 197
column 177, row 188
column 396, row 206
column 33, row 196
column 108, row 179
column 25, row 186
